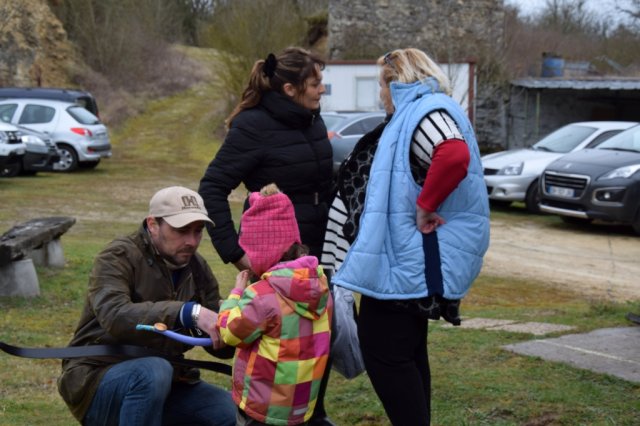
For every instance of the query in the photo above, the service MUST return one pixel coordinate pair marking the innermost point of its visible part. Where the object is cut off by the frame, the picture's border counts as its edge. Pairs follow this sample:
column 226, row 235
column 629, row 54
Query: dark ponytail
column 293, row 65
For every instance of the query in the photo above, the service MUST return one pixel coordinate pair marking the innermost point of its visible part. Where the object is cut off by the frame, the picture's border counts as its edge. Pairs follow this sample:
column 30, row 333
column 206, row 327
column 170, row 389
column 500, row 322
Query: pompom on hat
column 268, row 228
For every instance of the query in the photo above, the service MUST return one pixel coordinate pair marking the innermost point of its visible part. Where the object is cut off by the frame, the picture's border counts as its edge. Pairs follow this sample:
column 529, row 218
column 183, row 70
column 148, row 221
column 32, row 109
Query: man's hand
column 427, row 222
column 207, row 323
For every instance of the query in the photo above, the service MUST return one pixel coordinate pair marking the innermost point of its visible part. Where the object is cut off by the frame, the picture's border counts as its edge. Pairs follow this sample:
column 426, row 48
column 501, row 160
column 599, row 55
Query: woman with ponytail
column 275, row 135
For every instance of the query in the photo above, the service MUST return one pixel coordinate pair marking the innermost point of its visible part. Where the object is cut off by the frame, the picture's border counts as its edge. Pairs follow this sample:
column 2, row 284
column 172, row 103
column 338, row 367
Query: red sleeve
column 449, row 166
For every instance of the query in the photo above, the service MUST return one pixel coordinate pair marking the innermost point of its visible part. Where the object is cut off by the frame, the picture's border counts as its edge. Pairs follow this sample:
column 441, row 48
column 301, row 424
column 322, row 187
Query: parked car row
column 60, row 129
column 582, row 172
column 513, row 175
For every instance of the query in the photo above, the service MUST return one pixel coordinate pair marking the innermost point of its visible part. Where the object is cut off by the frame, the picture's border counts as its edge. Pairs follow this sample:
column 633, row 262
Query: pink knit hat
column 268, row 228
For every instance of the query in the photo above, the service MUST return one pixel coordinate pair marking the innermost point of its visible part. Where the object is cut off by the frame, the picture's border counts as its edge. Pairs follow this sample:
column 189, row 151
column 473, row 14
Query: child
column 280, row 325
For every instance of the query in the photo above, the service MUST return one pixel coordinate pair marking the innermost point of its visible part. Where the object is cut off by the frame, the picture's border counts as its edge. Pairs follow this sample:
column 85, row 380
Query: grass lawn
column 475, row 382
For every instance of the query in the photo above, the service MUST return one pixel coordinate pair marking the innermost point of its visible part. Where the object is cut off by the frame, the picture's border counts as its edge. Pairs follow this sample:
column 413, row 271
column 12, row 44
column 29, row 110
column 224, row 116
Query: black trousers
column 394, row 349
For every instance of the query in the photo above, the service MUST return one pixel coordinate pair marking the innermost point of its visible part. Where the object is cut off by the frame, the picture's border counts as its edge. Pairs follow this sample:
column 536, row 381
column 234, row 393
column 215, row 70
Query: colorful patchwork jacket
column 280, row 326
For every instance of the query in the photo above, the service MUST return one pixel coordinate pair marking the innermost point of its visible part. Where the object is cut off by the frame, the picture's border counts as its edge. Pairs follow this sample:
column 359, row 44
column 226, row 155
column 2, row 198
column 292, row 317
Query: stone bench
column 35, row 242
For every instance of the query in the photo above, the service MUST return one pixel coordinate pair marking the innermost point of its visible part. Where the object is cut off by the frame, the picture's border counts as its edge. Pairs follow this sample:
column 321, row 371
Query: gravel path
column 591, row 262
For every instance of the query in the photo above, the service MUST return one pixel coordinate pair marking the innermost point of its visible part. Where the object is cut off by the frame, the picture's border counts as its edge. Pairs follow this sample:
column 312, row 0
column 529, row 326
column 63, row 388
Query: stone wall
column 448, row 30
column 359, row 28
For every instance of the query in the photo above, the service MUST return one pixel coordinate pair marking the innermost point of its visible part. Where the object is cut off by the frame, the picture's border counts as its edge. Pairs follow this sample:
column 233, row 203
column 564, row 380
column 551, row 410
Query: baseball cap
column 178, row 206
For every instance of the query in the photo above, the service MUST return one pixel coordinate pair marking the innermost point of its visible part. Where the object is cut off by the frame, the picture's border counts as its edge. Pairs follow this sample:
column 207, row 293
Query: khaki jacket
column 129, row 285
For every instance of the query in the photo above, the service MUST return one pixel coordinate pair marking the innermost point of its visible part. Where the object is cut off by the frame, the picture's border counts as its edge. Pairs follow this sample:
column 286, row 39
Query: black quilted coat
column 278, row 142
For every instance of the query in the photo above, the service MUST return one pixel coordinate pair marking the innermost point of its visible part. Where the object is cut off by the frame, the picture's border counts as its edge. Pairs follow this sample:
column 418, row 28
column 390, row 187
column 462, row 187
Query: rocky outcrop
column 34, row 48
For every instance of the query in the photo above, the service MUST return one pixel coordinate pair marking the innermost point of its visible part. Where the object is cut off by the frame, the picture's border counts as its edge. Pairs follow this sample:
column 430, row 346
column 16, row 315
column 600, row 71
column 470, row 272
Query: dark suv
column 601, row 183
column 80, row 97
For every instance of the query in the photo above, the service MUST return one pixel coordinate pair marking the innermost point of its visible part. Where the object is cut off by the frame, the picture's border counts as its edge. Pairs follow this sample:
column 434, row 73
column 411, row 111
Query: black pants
column 394, row 349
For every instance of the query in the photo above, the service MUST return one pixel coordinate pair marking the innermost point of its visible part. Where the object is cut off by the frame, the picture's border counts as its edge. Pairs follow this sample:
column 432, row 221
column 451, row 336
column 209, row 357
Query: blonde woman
column 409, row 228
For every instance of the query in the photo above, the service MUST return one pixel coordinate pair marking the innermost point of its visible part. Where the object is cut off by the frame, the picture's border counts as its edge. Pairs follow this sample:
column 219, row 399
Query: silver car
column 346, row 128
column 513, row 175
column 82, row 140
column 12, row 149
column 41, row 154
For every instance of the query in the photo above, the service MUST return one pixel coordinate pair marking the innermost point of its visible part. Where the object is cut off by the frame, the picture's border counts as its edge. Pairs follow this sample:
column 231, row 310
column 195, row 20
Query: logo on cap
column 190, row 202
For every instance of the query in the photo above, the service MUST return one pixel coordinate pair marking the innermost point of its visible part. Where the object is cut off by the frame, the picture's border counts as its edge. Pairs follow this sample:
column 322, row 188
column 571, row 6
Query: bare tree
column 122, row 39
column 567, row 28
column 195, row 14
column 631, row 9
column 568, row 16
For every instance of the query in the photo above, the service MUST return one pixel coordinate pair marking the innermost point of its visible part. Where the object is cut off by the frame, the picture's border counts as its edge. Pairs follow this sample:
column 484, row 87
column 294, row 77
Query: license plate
column 559, row 191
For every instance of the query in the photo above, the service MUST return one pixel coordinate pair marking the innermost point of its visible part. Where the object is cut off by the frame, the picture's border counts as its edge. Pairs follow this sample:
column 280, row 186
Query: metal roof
column 579, row 84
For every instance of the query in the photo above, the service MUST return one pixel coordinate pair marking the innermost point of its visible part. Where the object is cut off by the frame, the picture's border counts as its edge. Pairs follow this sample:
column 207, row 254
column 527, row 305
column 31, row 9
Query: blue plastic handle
column 187, row 340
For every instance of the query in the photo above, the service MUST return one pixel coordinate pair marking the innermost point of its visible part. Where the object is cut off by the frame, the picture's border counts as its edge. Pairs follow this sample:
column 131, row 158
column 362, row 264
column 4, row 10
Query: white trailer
column 353, row 85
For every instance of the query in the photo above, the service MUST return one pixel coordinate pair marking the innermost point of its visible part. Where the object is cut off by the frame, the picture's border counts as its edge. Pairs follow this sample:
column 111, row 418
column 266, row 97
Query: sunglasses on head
column 388, row 60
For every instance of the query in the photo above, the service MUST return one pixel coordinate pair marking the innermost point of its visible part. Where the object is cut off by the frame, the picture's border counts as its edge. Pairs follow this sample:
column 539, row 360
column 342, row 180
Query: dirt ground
column 601, row 264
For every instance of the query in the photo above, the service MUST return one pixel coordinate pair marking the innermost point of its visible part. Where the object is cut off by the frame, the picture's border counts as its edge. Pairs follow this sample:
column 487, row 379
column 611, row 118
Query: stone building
column 538, row 106
column 448, row 30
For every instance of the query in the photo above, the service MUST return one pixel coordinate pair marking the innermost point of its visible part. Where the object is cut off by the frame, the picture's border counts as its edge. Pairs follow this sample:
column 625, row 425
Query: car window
column 85, row 102
column 355, row 128
column 332, row 121
column 564, row 139
column 371, row 123
column 35, row 114
column 628, row 140
column 82, row 116
column 362, row 126
column 601, row 138
column 7, row 111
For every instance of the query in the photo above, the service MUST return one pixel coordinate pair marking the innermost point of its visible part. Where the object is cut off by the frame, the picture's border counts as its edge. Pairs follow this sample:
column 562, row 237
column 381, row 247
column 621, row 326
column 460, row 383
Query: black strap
column 130, row 351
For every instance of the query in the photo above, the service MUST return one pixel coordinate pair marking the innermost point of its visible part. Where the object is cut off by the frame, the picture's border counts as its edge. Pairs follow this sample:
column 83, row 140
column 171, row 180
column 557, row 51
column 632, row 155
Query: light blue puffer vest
column 387, row 259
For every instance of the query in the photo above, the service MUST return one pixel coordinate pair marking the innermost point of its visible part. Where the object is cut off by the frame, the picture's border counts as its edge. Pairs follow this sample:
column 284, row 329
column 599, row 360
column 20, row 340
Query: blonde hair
column 293, row 65
column 411, row 65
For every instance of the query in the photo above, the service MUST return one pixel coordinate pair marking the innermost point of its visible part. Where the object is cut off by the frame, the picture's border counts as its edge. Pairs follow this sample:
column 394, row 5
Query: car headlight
column 621, row 172
column 3, row 137
column 512, row 169
column 33, row 140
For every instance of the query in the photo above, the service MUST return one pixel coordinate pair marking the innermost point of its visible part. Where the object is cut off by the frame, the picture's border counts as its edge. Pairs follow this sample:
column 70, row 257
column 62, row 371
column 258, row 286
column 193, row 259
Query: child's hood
column 303, row 285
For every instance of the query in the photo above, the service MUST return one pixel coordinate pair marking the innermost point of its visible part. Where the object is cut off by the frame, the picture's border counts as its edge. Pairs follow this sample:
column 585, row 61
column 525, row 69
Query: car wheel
column 10, row 170
column 532, row 199
column 500, row 203
column 89, row 164
column 636, row 223
column 68, row 159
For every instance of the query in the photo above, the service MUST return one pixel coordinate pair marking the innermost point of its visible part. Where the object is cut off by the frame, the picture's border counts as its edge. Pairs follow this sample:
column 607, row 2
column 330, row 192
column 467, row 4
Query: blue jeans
column 141, row 392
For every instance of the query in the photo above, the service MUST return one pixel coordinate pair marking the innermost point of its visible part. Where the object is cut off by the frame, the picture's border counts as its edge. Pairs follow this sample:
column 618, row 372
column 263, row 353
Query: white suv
column 12, row 149
column 82, row 140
